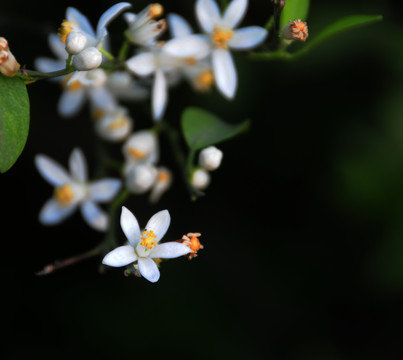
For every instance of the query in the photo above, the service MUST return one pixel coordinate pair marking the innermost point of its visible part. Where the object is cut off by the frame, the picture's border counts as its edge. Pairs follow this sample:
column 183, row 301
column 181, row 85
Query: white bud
column 75, row 42
column 88, row 59
column 200, row 179
column 141, row 178
column 210, row 158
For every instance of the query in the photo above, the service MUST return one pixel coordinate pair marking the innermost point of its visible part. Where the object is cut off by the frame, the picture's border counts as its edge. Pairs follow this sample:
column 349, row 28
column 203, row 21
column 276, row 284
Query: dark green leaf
column 202, row 128
column 14, row 120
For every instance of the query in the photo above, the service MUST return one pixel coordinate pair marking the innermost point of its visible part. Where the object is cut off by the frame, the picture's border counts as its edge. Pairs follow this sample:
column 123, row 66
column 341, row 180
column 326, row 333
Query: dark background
column 302, row 224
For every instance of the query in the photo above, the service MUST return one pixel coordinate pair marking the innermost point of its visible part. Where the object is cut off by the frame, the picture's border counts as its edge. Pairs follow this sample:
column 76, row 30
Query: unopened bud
column 8, row 64
column 88, row 59
column 75, row 42
column 210, row 158
column 200, row 179
column 141, row 178
column 296, row 30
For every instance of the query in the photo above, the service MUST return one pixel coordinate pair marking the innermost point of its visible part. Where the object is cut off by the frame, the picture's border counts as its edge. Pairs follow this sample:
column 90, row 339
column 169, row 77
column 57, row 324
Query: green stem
column 31, row 75
column 124, row 50
column 107, row 54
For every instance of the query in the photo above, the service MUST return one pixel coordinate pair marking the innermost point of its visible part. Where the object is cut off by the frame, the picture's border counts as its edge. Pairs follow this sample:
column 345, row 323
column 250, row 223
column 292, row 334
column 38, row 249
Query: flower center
column 65, row 28
column 137, row 154
column 156, row 10
column 221, row 36
column 118, row 122
column 64, row 195
column 148, row 239
column 204, row 80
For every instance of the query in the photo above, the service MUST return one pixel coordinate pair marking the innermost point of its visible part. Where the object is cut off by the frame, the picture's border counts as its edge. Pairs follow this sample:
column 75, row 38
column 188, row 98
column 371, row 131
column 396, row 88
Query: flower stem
column 32, row 76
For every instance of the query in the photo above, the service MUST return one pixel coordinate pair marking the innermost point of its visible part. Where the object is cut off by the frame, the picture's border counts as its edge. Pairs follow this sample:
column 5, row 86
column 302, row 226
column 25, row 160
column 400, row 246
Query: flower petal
column 169, row 250
column 235, row 12
column 70, row 102
column 94, row 216
column 104, row 190
column 130, row 226
column 208, row 14
column 159, row 97
column 52, row 213
column 149, row 269
column 72, row 14
column 194, row 45
column 101, row 98
column 142, row 64
column 178, row 26
column 51, row 170
column 159, row 223
column 78, row 165
column 108, row 16
column 224, row 72
column 57, row 47
column 247, row 37
column 121, row 256
column 45, row 64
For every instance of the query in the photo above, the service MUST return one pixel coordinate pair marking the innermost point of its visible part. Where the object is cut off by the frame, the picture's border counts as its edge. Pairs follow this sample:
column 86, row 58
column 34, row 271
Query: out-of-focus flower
column 8, row 64
column 113, row 124
column 210, row 158
column 223, row 37
column 161, row 184
column 200, row 179
column 73, row 190
column 296, row 30
column 140, row 148
column 144, row 29
column 125, row 87
column 144, row 247
column 141, row 178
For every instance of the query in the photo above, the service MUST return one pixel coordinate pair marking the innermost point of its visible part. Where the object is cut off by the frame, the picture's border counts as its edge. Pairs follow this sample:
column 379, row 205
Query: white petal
column 178, row 26
column 159, row 97
column 247, row 38
column 44, row 64
column 51, row 170
column 235, row 12
column 149, row 269
column 52, row 213
column 195, row 46
column 142, row 64
column 94, row 216
column 57, row 47
column 224, row 72
column 104, row 190
column 130, row 226
column 170, row 250
column 78, row 165
column 70, row 102
column 208, row 14
column 121, row 256
column 72, row 14
column 108, row 16
column 159, row 223
column 101, row 98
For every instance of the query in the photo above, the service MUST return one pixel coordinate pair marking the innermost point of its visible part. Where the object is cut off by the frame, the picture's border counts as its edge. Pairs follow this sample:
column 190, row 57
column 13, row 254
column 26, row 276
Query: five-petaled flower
column 72, row 190
column 144, row 247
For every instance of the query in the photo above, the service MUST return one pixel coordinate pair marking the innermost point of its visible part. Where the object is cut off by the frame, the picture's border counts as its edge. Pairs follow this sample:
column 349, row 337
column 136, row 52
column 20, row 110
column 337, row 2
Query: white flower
column 210, row 158
column 143, row 28
column 114, row 124
column 73, row 190
column 123, row 86
column 140, row 178
column 224, row 36
column 161, row 184
column 140, row 148
column 200, row 179
column 144, row 246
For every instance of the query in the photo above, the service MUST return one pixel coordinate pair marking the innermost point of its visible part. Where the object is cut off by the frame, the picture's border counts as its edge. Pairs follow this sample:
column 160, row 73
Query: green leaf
column 294, row 9
column 14, row 120
column 339, row 26
column 202, row 128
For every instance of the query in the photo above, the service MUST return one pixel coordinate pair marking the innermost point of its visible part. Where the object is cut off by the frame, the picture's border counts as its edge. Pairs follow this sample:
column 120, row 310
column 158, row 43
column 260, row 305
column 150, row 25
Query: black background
column 301, row 225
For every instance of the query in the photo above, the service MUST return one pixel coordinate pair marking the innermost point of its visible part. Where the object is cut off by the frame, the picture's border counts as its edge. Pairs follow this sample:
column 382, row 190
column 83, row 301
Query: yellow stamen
column 97, row 114
column 191, row 61
column 148, row 239
column 163, row 176
column 156, row 10
column 221, row 36
column 118, row 123
column 136, row 153
column 64, row 195
column 204, row 80
column 65, row 29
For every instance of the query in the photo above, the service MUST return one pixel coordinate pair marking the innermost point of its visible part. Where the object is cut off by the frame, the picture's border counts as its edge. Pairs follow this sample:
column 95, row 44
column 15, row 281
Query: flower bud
column 88, row 59
column 141, row 178
column 210, row 158
column 75, row 42
column 8, row 64
column 296, row 30
column 200, row 179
